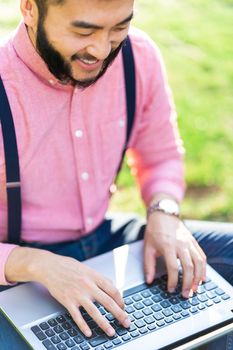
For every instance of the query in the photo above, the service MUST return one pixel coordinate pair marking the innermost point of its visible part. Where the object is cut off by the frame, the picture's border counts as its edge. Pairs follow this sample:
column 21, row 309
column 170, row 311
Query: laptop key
column 147, row 311
column 156, row 308
column 72, row 332
column 140, row 323
column 211, row 295
column 158, row 316
column 70, row 343
column 58, row 329
column 131, row 328
column 185, row 305
column 168, row 320
column 41, row 336
column 143, row 330
column 60, row 319
column 149, row 319
column 101, row 339
column 117, row 341
column 185, row 313
column 201, row 307
column 193, row 310
column 85, row 346
column 225, row 296
column 129, row 309
column 138, row 315
column 52, row 322
column 165, row 304
column 66, row 326
column 194, row 301
column 203, row 298
column 167, row 312
column 64, row 336
column 126, row 337
column 137, row 297
column 128, row 301
column 156, row 298
column 165, row 295
column 219, row 291
column 201, row 289
column 209, row 303
column 61, row 346
column 108, row 345
column 147, row 302
column 146, row 294
column 134, row 334
column 217, row 300
column 176, row 308
column 151, row 327
column 176, row 317
column 174, row 300
column 110, row 317
column 210, row 286
column 121, row 331
column 138, row 306
column 160, row 323
column 49, row 332
column 49, row 346
column 78, row 339
column 44, row 326
column 154, row 290
column 55, row 339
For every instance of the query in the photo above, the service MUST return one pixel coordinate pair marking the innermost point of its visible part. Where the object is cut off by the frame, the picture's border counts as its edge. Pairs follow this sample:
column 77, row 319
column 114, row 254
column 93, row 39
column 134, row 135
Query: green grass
column 195, row 37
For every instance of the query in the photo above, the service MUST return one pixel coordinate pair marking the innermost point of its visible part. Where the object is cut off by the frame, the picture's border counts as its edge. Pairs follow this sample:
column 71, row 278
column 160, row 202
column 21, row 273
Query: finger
column 114, row 308
column 93, row 311
column 198, row 267
column 188, row 271
column 172, row 269
column 149, row 263
column 108, row 287
column 204, row 258
column 79, row 320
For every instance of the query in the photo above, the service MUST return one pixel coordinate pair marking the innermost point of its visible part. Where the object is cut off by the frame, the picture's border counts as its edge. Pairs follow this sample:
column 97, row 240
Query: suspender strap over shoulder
column 130, row 90
column 12, row 168
column 130, row 85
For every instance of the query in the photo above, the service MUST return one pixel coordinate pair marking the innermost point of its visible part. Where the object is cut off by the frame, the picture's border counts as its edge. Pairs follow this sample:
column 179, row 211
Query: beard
column 61, row 68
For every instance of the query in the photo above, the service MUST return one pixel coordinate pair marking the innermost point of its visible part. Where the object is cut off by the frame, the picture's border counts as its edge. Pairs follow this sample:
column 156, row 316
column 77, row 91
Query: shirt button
column 85, row 176
column 89, row 221
column 76, row 90
column 78, row 133
column 51, row 81
column 121, row 123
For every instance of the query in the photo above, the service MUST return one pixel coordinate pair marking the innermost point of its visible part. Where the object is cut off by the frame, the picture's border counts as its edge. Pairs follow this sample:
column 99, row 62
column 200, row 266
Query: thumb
column 149, row 263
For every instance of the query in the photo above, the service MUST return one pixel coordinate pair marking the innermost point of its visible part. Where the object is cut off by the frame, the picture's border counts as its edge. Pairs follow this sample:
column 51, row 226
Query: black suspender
column 12, row 168
column 11, row 151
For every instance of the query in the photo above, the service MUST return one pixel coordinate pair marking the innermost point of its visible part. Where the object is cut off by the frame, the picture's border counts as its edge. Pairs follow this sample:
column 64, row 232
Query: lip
column 89, row 67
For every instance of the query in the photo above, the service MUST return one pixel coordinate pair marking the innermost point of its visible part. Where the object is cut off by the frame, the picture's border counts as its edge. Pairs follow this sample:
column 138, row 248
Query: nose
column 101, row 48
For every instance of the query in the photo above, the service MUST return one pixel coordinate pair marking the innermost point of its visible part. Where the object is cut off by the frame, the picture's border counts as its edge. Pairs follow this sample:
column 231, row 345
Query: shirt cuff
column 5, row 250
column 166, row 187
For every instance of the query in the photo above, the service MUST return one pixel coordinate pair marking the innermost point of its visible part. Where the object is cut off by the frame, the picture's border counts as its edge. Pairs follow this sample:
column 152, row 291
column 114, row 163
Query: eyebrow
column 86, row 25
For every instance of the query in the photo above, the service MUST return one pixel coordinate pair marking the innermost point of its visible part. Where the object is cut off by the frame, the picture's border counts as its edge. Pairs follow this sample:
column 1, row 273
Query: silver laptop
column 159, row 320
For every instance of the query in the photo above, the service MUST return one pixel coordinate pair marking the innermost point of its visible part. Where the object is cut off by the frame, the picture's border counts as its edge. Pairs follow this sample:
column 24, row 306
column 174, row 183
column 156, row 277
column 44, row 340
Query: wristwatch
column 167, row 206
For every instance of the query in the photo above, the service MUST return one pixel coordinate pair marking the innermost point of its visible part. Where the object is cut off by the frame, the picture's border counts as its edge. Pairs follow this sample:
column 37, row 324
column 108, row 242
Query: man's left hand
column 166, row 235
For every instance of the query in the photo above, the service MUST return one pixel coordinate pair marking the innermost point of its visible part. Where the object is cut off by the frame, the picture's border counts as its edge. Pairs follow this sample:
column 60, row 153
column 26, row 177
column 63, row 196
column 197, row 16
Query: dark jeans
column 215, row 239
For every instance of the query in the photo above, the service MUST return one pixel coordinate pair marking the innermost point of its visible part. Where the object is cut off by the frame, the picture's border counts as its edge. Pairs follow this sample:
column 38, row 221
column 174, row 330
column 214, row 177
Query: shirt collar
column 28, row 54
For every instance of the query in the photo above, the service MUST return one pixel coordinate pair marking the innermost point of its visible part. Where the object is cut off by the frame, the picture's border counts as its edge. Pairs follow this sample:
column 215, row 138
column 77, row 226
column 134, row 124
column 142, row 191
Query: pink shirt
column 70, row 141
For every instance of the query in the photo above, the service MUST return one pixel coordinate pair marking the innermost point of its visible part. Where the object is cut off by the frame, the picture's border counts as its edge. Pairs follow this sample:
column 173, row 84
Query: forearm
column 26, row 264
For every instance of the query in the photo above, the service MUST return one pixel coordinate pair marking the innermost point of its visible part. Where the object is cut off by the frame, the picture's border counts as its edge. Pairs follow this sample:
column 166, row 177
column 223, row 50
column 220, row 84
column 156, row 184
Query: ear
column 29, row 11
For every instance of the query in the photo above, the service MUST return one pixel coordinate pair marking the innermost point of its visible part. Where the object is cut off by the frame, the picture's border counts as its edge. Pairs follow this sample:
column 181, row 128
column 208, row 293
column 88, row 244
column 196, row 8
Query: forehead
column 100, row 12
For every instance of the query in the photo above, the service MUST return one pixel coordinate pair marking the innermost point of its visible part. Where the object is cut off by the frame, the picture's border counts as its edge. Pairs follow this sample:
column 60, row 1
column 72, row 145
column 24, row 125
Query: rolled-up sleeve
column 5, row 250
column 156, row 151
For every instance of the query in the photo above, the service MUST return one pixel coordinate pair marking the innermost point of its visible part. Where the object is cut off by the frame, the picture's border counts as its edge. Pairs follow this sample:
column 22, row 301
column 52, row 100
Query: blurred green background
column 195, row 37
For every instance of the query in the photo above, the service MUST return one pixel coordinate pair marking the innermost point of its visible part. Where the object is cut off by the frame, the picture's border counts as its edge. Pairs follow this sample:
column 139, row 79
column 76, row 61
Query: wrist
column 26, row 264
column 167, row 206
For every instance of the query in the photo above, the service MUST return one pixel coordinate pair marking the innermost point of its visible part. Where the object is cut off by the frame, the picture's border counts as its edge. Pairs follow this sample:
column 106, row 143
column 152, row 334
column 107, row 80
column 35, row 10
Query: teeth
column 88, row 61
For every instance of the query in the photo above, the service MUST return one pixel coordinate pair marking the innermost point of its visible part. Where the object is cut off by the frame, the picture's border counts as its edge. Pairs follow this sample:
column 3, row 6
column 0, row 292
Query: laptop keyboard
column 149, row 308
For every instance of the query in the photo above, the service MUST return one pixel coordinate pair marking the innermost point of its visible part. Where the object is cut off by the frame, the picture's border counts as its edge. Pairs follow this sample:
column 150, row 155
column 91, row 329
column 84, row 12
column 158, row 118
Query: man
column 62, row 71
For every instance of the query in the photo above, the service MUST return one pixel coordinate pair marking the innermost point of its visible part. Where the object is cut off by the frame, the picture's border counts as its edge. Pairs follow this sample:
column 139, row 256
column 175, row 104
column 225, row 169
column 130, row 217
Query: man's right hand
column 73, row 284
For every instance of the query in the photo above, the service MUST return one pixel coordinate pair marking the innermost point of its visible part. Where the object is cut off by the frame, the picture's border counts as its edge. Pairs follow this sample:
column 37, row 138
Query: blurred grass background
column 195, row 37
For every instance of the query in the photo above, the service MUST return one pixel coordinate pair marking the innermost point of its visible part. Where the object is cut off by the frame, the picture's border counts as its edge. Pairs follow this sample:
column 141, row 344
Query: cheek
column 68, row 46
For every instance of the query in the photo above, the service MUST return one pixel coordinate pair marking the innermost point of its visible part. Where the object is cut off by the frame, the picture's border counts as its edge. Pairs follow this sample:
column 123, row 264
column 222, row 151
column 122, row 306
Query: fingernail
column 88, row 333
column 127, row 323
column 110, row 332
column 186, row 293
column 171, row 290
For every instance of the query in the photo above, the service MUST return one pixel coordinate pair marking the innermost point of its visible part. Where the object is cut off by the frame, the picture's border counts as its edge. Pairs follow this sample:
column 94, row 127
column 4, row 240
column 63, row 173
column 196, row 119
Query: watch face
column 169, row 206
